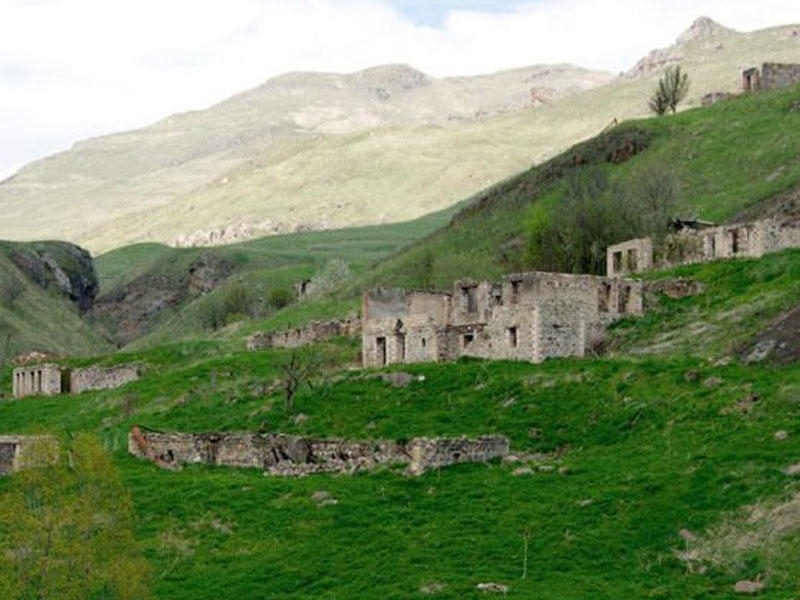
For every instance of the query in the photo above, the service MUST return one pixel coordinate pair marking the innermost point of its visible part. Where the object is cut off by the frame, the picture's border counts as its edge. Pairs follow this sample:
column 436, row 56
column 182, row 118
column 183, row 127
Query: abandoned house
column 703, row 243
column 527, row 316
column 51, row 380
column 772, row 76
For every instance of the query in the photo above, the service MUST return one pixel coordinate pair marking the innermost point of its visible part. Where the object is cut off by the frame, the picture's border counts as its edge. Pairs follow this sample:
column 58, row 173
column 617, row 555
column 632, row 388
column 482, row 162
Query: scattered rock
column 676, row 288
column 691, row 376
column 743, row 406
column 398, row 379
column 564, row 470
column 794, row 106
column 748, row 587
column 792, row 469
column 781, row 435
column 547, row 468
column 687, row 535
column 300, row 418
column 775, row 174
column 522, row 471
column 323, row 498
column 510, row 402
column 584, row 503
column 497, row 588
column 712, row 382
column 534, row 433
column 511, row 458
column 434, row 587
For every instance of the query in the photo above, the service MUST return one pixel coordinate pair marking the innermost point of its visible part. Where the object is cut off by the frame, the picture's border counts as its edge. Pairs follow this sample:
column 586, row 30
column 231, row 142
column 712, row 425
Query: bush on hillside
column 593, row 213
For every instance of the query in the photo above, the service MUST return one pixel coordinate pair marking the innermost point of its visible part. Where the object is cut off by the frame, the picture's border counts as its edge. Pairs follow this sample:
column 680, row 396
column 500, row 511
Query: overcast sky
column 70, row 69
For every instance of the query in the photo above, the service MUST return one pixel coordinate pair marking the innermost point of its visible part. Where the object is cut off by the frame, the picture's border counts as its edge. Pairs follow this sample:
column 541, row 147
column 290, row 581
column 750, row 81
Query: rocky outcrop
column 60, row 266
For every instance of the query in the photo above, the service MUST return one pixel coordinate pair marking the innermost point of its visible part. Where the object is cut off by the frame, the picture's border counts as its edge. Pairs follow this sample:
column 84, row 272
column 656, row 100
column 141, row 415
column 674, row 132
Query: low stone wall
column 288, row 455
column 315, row 331
column 102, row 378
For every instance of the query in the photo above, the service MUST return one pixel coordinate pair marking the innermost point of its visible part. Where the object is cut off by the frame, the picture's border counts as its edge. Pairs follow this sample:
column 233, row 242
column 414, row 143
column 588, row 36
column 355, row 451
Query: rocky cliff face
column 59, row 266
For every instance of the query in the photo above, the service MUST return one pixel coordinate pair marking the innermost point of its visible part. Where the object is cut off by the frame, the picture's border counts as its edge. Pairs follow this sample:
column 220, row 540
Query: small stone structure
column 102, row 378
column 772, row 76
column 693, row 245
column 51, row 379
column 527, row 316
column 280, row 454
column 20, row 451
column 37, row 380
column 314, row 331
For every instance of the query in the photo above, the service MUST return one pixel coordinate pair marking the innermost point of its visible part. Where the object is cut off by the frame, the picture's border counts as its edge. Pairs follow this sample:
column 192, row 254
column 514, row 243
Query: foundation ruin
column 288, row 455
column 527, row 316
column 702, row 244
column 24, row 451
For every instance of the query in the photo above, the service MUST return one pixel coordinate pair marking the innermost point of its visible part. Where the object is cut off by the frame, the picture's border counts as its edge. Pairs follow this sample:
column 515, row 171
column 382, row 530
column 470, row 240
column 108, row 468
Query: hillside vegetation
column 618, row 456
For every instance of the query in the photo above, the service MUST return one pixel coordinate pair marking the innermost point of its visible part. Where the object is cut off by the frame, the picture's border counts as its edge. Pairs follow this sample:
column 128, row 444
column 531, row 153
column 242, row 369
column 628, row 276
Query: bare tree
column 297, row 371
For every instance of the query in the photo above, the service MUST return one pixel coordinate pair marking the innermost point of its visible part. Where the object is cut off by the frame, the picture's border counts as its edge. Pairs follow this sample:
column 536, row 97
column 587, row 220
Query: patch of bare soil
column 779, row 343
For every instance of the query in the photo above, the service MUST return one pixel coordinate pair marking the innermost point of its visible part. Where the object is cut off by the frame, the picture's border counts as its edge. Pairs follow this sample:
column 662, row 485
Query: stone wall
column 527, row 316
column 280, row 454
column 779, row 75
column 23, row 451
column 36, row 380
column 315, row 331
column 689, row 246
column 632, row 256
column 102, row 378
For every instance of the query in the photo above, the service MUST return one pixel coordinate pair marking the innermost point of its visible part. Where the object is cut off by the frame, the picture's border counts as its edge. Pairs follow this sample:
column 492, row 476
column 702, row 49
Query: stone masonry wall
column 280, row 454
column 36, row 380
column 737, row 240
column 100, row 378
column 315, row 331
column 779, row 75
column 527, row 316
column 22, row 451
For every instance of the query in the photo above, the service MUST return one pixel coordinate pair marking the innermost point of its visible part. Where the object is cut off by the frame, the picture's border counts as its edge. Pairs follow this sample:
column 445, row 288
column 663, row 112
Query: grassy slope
column 44, row 321
column 263, row 265
column 647, row 449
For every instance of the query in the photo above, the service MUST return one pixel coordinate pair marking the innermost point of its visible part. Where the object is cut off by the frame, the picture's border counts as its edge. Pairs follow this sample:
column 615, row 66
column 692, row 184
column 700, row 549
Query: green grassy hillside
column 625, row 452
column 134, row 277
column 33, row 318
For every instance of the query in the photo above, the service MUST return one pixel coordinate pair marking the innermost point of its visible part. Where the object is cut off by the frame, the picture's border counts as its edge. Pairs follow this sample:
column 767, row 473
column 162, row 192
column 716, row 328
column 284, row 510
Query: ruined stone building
column 703, row 244
column 527, row 316
column 23, row 451
column 772, row 76
column 51, row 379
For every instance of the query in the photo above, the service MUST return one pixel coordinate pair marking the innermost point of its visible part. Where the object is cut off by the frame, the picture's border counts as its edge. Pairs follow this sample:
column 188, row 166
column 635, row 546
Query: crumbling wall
column 23, row 451
column 313, row 332
column 527, row 316
column 36, row 380
column 281, row 454
column 631, row 256
column 779, row 75
column 102, row 378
